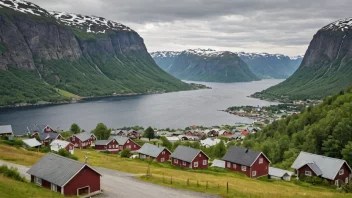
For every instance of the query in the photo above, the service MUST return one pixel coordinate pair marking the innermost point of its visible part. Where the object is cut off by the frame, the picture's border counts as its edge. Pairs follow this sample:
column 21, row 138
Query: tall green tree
column 219, row 150
column 102, row 132
column 166, row 143
column 75, row 128
column 149, row 133
column 347, row 152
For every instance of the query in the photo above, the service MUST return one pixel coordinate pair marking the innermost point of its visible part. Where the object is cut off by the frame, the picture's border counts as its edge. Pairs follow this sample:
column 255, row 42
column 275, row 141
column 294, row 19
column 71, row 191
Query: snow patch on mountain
column 164, row 54
column 339, row 25
column 24, row 7
column 92, row 24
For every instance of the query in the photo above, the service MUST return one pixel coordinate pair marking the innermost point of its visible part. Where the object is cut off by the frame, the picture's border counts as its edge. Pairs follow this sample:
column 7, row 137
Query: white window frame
column 337, row 182
column 128, row 141
column 260, row 160
column 73, row 138
column 341, row 172
column 254, row 173
column 183, row 163
column 195, row 164
column 243, row 168
column 109, row 146
column 163, row 153
column 347, row 180
column 308, row 173
column 54, row 187
column 200, row 155
column 38, row 181
column 128, row 146
column 162, row 159
column 228, row 164
column 234, row 166
column 175, row 160
column 205, row 162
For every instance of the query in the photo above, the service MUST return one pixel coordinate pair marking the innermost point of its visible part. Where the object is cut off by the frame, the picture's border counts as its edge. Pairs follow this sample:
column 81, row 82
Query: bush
column 126, row 153
column 16, row 143
column 65, row 153
column 44, row 149
column 12, row 173
column 347, row 188
column 314, row 180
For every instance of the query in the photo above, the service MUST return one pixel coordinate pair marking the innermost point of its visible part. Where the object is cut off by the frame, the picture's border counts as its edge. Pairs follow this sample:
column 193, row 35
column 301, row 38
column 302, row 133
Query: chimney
column 246, row 150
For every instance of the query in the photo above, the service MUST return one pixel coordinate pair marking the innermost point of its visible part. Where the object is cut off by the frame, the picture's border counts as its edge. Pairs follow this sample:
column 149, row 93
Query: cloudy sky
column 273, row 26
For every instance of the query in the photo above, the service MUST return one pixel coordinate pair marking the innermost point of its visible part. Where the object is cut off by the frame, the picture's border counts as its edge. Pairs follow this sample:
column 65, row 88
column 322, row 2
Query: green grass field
column 66, row 93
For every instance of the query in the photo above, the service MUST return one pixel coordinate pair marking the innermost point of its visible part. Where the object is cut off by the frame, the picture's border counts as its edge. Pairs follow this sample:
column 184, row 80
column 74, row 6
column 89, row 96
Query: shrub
column 347, row 188
column 65, row 153
column 44, row 149
column 126, row 153
column 16, row 143
column 314, row 180
column 12, row 173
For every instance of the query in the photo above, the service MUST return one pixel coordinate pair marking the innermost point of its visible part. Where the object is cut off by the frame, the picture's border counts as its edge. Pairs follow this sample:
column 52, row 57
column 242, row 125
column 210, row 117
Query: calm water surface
column 174, row 110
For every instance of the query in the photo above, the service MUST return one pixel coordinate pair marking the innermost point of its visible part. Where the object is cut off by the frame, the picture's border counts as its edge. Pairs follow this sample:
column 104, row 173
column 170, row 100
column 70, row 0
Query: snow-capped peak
column 24, row 7
column 92, row 24
column 339, row 25
column 164, row 54
column 266, row 55
column 296, row 57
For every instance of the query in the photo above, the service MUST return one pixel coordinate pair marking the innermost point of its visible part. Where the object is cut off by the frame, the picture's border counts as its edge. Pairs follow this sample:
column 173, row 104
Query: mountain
column 205, row 65
column 266, row 65
column 326, row 67
column 48, row 56
column 325, row 129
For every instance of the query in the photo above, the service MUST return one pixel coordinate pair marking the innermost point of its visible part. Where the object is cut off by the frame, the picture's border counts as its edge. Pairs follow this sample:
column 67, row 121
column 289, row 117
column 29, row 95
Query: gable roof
column 151, row 150
column 31, row 142
column 60, row 143
column 6, row 129
column 57, row 169
column 186, row 154
column 103, row 142
column 327, row 166
column 242, row 156
column 83, row 136
column 121, row 140
column 279, row 172
column 37, row 128
column 50, row 136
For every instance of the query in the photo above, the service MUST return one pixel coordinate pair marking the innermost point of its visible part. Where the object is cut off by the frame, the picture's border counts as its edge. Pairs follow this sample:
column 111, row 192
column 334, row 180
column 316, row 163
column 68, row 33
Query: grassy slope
column 239, row 185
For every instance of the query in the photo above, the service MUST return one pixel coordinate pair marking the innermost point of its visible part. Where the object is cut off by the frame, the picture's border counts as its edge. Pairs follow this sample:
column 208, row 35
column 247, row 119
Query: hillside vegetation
column 325, row 129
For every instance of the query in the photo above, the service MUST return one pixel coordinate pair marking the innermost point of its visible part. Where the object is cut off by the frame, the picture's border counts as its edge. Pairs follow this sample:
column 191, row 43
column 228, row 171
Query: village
column 186, row 149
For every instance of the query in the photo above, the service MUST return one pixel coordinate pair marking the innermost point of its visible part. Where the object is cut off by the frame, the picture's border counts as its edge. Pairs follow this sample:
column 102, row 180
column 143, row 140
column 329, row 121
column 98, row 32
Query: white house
column 209, row 142
column 57, row 144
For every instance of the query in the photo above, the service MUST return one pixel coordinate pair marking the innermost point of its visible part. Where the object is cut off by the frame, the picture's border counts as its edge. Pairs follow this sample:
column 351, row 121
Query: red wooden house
column 36, row 130
column 107, row 145
column 251, row 163
column 56, row 145
column 224, row 133
column 82, row 140
column 66, row 176
column 47, row 137
column 335, row 171
column 149, row 151
column 244, row 132
column 125, row 142
column 134, row 134
column 188, row 157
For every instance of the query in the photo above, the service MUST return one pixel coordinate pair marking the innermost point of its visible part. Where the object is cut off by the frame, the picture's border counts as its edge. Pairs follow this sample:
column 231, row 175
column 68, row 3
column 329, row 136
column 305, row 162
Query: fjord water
column 174, row 110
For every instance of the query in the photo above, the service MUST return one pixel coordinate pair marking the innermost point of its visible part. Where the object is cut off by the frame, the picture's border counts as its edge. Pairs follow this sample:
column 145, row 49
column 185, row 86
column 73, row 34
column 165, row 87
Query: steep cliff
column 84, row 55
column 266, row 65
column 326, row 67
column 205, row 65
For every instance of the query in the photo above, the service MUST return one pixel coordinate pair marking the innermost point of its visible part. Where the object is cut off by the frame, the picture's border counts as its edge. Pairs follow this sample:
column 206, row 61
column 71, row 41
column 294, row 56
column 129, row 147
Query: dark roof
column 56, row 169
column 50, row 136
column 102, row 142
column 241, row 155
column 151, row 150
column 186, row 154
column 83, row 136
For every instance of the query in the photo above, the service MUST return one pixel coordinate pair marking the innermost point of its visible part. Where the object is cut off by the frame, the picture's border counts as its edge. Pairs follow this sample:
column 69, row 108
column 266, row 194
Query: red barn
column 335, row 171
column 47, row 138
column 125, row 142
column 107, row 145
column 150, row 151
column 254, row 164
column 65, row 176
column 39, row 129
column 134, row 134
column 188, row 157
column 82, row 140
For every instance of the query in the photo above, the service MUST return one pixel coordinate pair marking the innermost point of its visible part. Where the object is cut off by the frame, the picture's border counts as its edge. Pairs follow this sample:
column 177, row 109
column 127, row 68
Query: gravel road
column 124, row 185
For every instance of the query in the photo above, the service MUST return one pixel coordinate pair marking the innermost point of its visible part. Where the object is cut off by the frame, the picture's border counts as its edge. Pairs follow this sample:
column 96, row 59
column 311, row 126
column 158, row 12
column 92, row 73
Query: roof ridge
column 66, row 158
column 324, row 156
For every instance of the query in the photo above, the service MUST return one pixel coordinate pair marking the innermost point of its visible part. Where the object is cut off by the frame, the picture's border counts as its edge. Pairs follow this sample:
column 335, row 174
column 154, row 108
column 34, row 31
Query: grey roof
column 50, row 136
column 6, row 129
column 328, row 166
column 36, row 128
column 315, row 168
column 83, row 136
column 279, row 172
column 56, row 169
column 31, row 142
column 121, row 140
column 184, row 153
column 151, row 150
column 102, row 142
column 241, row 155
column 218, row 163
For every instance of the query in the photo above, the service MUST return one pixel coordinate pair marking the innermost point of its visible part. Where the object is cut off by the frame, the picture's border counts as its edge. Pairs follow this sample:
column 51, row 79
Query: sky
column 272, row 26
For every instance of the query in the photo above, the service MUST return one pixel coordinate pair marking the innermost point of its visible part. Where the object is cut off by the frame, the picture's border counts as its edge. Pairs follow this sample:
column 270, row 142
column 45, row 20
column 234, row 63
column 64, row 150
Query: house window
column 109, row 146
column 128, row 141
column 184, row 163
column 336, row 182
column 162, row 159
column 163, row 153
column 195, row 164
column 129, row 146
column 260, row 160
column 234, row 166
column 73, row 138
column 134, row 146
column 341, row 172
column 54, row 187
column 228, row 165
column 175, row 161
column 204, row 162
column 243, row 168
column 254, row 173
column 38, row 181
column 200, row 155
column 308, row 173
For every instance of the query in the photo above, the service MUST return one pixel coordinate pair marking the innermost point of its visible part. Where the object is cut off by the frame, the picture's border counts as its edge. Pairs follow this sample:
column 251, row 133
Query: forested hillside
column 325, row 129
